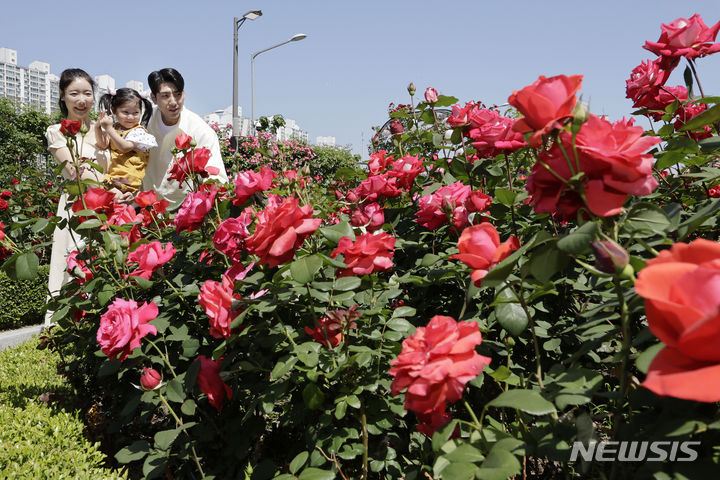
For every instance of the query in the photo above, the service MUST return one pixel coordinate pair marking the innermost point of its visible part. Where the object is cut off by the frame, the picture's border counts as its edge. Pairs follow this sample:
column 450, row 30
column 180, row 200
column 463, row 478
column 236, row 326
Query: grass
column 41, row 438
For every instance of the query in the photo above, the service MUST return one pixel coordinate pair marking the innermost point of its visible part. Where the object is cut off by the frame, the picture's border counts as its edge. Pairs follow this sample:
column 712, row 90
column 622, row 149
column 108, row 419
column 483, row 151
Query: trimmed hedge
column 41, row 440
column 22, row 303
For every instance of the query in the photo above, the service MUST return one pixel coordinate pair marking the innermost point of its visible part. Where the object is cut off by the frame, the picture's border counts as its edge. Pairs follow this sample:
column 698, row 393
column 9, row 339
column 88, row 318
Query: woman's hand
column 120, row 197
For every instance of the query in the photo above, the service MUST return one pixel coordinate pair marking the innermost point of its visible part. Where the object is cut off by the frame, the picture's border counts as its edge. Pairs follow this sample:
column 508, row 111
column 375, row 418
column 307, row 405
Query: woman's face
column 78, row 97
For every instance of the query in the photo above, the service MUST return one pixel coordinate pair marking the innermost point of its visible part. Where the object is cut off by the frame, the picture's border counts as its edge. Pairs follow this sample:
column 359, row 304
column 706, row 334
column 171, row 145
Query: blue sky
column 358, row 56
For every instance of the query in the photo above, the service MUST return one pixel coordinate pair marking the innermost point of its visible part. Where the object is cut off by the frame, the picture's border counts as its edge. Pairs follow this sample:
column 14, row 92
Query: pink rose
column 211, row 384
column 480, row 249
column 374, row 187
column 216, row 299
column 370, row 252
column 150, row 379
column 123, row 326
column 193, row 210
column 248, row 182
column 431, row 96
column 379, row 162
column 684, row 37
column 229, row 238
column 149, row 257
column 406, row 169
column 369, row 215
column 446, row 202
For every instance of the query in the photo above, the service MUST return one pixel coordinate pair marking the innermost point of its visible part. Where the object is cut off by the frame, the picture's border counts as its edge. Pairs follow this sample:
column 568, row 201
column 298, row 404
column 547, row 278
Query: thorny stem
column 363, row 421
column 472, row 414
column 179, row 421
column 625, row 352
column 163, row 356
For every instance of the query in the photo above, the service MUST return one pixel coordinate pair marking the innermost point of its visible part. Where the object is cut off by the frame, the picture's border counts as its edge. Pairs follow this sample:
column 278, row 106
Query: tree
column 22, row 133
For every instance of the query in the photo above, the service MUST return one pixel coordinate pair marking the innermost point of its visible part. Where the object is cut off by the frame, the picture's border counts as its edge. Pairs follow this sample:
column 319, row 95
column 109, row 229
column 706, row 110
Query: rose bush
column 295, row 326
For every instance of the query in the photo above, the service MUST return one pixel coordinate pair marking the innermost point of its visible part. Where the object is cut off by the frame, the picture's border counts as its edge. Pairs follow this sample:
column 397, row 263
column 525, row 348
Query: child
column 128, row 140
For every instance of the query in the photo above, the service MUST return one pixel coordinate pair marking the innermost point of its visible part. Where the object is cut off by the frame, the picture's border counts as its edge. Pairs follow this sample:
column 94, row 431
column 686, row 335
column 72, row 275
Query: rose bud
column 396, row 128
column 609, row 256
column 580, row 113
column 150, row 379
column 83, row 129
column 431, row 96
column 411, row 89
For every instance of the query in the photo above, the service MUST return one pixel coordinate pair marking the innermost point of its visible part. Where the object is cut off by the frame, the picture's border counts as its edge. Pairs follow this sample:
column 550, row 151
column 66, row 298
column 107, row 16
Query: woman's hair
column 166, row 75
column 66, row 78
column 123, row 95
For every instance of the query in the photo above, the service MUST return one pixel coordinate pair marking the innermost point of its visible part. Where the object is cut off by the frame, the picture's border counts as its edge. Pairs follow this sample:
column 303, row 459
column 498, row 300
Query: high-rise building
column 33, row 85
column 328, row 141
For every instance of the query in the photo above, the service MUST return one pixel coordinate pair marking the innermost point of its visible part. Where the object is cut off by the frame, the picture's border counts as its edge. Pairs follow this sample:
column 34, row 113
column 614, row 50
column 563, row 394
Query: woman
column 76, row 102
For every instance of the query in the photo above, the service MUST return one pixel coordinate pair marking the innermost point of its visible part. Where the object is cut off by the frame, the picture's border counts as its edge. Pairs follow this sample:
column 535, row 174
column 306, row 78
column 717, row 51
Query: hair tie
column 111, row 91
column 145, row 95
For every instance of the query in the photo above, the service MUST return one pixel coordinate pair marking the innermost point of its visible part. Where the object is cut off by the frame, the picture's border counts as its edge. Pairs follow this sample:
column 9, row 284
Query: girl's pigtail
column 105, row 103
column 147, row 111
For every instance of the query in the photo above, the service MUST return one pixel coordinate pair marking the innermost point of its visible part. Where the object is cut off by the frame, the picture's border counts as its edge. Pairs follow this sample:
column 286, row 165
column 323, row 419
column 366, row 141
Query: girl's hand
column 105, row 120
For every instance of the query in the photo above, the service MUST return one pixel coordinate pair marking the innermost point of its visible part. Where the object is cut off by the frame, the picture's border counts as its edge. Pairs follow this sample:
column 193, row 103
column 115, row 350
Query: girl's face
column 78, row 96
column 128, row 114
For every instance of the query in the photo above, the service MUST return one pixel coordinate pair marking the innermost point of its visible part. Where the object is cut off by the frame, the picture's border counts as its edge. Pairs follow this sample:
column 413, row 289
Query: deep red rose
column 123, row 326
column 150, row 379
column 195, row 161
column 396, row 127
column 436, row 362
column 644, row 81
column 216, row 299
column 431, row 421
column 370, row 252
column 4, row 205
column 183, row 141
column 6, row 194
column 193, row 210
column 370, row 216
column 150, row 257
column 14, row 181
column 684, row 37
column 281, row 228
column 480, row 249
column 431, row 96
column 70, row 128
column 96, row 199
column 681, row 288
column 685, row 113
column 211, row 384
column 545, row 104
column 2, row 231
column 333, row 325
column 714, row 191
column 248, row 182
column 379, row 162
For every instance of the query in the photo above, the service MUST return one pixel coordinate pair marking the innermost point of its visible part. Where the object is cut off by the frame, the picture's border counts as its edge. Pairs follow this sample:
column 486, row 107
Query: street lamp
column 237, row 22
column 295, row 38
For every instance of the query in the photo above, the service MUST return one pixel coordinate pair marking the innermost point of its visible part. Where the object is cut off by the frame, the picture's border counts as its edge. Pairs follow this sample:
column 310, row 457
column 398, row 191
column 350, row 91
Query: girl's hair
column 66, row 78
column 123, row 95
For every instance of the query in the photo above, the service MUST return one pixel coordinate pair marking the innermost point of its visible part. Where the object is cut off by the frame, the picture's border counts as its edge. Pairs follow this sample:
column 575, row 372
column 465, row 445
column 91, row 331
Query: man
column 169, row 120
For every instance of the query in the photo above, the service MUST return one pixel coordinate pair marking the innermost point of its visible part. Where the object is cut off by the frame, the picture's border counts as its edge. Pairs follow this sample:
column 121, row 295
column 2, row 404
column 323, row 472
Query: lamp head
column 298, row 37
column 253, row 14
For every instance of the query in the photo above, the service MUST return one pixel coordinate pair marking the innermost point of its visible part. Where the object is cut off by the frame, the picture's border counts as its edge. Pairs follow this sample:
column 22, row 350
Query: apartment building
column 33, row 85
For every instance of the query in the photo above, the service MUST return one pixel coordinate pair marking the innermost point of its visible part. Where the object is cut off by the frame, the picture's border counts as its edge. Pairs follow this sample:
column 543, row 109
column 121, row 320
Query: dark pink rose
column 684, row 37
column 150, row 257
column 193, row 210
column 211, row 384
column 123, row 326
column 150, row 379
column 249, row 182
column 370, row 216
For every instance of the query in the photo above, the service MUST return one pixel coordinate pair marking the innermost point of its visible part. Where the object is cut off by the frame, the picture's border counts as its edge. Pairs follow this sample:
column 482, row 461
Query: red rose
column 248, row 182
column 2, row 231
column 70, row 128
column 183, row 141
column 3, row 205
column 460, row 116
column 447, row 201
column 122, row 214
column 6, row 194
column 431, row 421
column 14, row 181
column 374, row 187
column 684, row 37
column 195, row 161
column 477, row 201
column 369, row 215
column 396, row 128
column 331, row 327
column 281, row 228
column 405, row 169
column 379, row 162
column 431, row 96
column 150, row 379
column 96, row 199
column 229, row 238
column 681, row 288
column 436, row 362
column 644, row 81
column 211, row 384
column 149, row 257
column 480, row 249
column 493, row 134
column 685, row 113
column 714, row 191
column 367, row 254
column 78, row 268
column 193, row 210
column 123, row 326
column 216, row 299
column 545, row 105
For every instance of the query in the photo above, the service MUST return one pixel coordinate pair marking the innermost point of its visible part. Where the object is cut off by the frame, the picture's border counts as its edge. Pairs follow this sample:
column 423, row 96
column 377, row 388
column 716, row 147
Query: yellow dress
column 130, row 165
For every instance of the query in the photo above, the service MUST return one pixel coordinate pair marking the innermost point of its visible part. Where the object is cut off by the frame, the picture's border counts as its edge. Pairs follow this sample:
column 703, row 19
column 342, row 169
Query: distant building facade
column 223, row 117
column 33, row 85
column 328, row 141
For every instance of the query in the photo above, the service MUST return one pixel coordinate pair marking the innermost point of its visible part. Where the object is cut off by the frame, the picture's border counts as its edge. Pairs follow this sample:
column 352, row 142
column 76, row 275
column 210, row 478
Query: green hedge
column 41, row 440
column 23, row 303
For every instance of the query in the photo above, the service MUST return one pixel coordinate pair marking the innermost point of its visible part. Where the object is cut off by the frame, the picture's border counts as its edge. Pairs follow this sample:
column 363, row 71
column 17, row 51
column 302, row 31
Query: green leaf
column 298, row 461
column 404, row 312
column 547, row 262
column 698, row 218
column 133, row 452
column 340, row 409
column 313, row 396
column 643, row 361
column 307, row 353
column 312, row 473
column 336, row 232
column 105, row 294
column 283, row 366
column 528, row 401
column 445, row 101
column 442, row 435
column 646, row 218
column 303, row 270
column 154, row 466
column 165, row 438
column 188, row 407
column 579, row 240
column 400, row 325
column 345, row 284
column 505, row 196
column 26, row 266
column 669, row 158
column 88, row 224
column 499, row 465
column 509, row 313
column 465, row 453
column 174, row 391
column 708, row 117
column 459, row 471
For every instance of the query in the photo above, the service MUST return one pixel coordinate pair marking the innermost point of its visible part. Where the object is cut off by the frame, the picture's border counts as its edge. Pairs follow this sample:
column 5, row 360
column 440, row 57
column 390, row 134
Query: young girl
column 128, row 140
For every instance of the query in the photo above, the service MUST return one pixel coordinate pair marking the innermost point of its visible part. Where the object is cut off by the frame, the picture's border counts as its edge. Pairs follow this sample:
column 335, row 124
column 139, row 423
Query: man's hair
column 166, row 75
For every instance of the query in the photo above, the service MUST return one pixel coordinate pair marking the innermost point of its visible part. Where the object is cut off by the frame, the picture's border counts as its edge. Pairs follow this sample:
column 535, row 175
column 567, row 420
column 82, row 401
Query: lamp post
column 295, row 38
column 237, row 22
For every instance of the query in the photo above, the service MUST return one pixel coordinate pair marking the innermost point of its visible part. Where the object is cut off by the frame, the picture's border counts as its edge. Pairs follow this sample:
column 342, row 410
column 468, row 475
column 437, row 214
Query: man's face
column 170, row 102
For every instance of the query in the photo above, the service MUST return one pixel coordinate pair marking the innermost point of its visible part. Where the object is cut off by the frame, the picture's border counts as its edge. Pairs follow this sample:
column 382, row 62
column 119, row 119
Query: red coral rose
column 480, row 249
column 281, row 228
column 96, row 199
column 195, row 161
column 149, row 257
column 684, row 37
column 447, row 202
column 545, row 105
column 644, row 81
column 123, row 326
column 70, row 128
column 211, row 384
column 374, row 187
column 436, row 362
column 183, row 141
column 369, row 215
column 368, row 253
column 77, row 268
column 405, row 169
column 216, row 299
column 379, row 162
column 681, row 288
column 248, row 182
column 331, row 327
column 492, row 133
